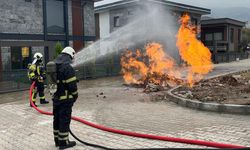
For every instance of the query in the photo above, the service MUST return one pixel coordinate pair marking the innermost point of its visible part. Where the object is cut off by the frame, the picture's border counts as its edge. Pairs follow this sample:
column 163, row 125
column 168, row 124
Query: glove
column 75, row 97
column 40, row 79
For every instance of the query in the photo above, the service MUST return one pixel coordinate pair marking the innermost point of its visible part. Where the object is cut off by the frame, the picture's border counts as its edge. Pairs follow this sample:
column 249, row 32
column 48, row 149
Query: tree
column 58, row 48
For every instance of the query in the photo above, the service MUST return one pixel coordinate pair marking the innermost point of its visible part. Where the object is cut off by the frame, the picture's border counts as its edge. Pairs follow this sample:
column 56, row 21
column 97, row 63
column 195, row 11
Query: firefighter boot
column 66, row 144
column 34, row 104
column 43, row 101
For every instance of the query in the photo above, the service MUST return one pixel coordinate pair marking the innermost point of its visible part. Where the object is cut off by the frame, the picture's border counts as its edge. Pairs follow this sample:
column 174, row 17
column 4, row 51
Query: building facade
column 223, row 36
column 29, row 26
column 248, row 24
column 115, row 15
column 222, row 30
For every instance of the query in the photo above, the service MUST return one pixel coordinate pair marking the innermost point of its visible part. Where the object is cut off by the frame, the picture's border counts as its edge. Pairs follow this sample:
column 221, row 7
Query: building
column 248, row 24
column 30, row 26
column 111, row 16
column 223, row 37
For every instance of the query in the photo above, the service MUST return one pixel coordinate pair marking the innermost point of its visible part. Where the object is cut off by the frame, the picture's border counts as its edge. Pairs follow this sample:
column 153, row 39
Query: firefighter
column 64, row 98
column 37, row 74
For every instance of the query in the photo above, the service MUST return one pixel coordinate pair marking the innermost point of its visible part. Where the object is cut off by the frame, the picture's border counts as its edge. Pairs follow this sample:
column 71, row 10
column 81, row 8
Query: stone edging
column 215, row 107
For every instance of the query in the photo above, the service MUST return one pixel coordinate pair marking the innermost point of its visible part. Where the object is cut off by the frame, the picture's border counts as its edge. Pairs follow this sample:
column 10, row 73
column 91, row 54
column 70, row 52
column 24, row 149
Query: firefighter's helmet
column 37, row 57
column 70, row 51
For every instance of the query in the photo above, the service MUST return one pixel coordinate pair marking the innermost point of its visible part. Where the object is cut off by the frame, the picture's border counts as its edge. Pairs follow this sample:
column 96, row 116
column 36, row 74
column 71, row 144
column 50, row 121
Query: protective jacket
column 66, row 80
column 36, row 72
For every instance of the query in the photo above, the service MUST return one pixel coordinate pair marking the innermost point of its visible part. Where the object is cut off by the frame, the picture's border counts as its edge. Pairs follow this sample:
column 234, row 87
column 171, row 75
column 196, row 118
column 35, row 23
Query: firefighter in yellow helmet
column 37, row 74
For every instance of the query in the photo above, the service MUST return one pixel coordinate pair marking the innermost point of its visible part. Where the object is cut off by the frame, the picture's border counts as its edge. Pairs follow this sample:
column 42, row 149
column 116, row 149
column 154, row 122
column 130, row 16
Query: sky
column 203, row 3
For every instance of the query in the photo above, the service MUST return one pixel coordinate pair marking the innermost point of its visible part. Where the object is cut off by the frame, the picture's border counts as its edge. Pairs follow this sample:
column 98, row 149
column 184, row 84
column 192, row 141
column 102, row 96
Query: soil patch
column 229, row 89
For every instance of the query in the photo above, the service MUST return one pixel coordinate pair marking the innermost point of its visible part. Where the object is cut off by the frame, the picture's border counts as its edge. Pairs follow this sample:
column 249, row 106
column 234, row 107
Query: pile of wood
column 156, row 82
column 153, row 88
column 159, row 82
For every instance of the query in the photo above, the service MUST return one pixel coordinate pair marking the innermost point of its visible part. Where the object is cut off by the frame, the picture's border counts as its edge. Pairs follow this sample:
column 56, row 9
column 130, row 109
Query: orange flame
column 135, row 71
column 192, row 51
column 156, row 66
column 159, row 65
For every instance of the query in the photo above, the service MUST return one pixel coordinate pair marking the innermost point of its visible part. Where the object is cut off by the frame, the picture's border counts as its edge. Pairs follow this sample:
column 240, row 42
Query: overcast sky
column 203, row 3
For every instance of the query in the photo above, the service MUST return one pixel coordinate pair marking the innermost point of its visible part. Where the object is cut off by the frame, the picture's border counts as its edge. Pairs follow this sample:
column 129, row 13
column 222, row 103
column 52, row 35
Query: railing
column 98, row 70
column 229, row 56
column 13, row 80
column 217, row 46
column 221, row 53
column 17, row 80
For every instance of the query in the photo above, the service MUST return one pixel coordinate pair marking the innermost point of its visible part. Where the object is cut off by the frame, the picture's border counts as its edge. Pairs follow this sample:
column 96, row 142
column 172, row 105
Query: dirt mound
column 230, row 89
column 230, row 80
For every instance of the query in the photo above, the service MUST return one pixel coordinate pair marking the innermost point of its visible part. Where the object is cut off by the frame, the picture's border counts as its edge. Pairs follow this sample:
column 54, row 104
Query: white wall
column 248, row 24
column 104, row 24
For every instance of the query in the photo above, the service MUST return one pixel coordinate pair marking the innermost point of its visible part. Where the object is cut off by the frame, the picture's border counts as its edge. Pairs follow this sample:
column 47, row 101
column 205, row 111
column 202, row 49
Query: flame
column 161, row 67
column 156, row 66
column 193, row 51
column 135, row 71
column 160, row 63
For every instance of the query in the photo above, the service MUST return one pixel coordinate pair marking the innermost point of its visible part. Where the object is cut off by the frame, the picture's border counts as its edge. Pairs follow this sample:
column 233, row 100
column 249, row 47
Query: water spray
column 149, row 24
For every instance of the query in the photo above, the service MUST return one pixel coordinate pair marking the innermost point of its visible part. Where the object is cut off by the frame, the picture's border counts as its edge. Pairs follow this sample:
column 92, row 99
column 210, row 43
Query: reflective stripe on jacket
column 66, row 79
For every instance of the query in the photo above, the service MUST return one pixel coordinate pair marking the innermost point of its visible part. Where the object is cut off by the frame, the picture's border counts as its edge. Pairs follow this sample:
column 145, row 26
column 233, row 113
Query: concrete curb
column 214, row 107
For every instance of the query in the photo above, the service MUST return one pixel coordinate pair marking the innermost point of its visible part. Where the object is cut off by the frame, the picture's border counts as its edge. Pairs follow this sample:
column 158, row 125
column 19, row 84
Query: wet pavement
column 108, row 102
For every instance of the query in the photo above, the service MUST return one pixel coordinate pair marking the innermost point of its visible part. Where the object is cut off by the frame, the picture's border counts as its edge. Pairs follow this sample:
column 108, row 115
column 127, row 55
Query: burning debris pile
column 159, row 69
column 154, row 69
column 233, row 89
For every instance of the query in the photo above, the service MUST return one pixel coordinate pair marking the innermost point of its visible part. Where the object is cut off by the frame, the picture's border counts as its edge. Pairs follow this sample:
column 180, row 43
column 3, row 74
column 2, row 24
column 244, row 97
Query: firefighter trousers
column 38, row 88
column 62, row 118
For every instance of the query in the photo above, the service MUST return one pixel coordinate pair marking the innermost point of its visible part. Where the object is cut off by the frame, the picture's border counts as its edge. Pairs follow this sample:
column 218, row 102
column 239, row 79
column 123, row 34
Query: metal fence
column 229, row 56
column 13, row 80
column 98, row 70
column 17, row 80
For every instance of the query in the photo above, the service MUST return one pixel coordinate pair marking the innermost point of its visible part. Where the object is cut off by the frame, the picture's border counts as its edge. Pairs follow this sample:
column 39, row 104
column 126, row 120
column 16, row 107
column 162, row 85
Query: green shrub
column 58, row 49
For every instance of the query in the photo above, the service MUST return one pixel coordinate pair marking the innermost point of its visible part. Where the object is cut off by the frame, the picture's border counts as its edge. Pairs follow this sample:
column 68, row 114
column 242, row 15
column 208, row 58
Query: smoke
column 150, row 23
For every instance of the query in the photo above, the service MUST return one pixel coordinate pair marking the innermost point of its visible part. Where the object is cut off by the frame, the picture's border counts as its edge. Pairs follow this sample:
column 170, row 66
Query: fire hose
column 138, row 135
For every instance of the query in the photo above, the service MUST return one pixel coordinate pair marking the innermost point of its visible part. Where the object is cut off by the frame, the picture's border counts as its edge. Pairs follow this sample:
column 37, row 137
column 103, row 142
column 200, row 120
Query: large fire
column 157, row 67
column 192, row 51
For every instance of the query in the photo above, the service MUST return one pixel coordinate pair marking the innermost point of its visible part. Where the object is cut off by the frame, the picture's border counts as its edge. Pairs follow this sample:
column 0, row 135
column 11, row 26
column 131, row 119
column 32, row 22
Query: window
column 218, row 36
column 55, row 16
column 239, row 35
column 20, row 57
column 232, row 35
column 116, row 21
column 6, row 58
column 209, row 37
